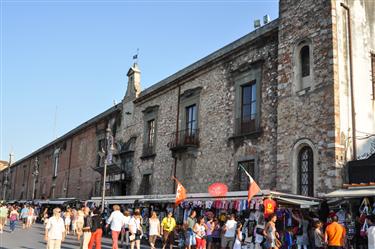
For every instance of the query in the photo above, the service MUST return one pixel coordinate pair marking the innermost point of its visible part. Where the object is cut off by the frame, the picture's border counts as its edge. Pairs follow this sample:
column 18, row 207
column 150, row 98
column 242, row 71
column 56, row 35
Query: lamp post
column 106, row 153
column 6, row 176
column 35, row 175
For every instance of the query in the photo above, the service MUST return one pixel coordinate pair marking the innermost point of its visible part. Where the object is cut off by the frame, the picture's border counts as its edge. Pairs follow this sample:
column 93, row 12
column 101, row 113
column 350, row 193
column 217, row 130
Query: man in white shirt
column 116, row 221
column 55, row 230
column 371, row 233
column 230, row 232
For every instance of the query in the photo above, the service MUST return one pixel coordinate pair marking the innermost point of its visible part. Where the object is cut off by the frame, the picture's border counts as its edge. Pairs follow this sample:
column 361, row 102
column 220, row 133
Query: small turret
column 134, row 83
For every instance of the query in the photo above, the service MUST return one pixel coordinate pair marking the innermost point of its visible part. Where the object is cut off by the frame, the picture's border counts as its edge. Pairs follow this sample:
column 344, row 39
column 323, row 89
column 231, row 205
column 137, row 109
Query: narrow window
column 305, row 61
column 248, row 107
column 243, row 179
column 191, row 120
column 373, row 75
column 150, row 133
column 306, row 171
column 55, row 164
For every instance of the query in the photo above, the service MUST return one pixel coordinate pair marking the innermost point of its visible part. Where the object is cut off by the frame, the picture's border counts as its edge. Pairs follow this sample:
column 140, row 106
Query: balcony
column 148, row 151
column 183, row 139
column 245, row 126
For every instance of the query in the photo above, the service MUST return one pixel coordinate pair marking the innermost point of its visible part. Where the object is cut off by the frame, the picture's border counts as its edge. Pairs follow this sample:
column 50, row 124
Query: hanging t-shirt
column 269, row 207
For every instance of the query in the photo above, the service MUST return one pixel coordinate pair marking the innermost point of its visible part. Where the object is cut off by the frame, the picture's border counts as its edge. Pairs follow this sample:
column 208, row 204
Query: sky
column 65, row 61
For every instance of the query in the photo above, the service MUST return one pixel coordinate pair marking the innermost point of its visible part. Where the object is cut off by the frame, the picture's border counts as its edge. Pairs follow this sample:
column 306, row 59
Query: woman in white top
column 68, row 220
column 135, row 230
column 200, row 232
column 238, row 241
column 125, row 229
column 154, row 229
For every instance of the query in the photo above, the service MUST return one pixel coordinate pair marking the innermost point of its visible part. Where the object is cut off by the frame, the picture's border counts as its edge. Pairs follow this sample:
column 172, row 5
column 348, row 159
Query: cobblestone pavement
column 34, row 239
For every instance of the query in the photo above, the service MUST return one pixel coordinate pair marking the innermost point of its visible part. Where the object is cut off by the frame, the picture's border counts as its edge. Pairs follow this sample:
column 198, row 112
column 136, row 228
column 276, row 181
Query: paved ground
column 34, row 239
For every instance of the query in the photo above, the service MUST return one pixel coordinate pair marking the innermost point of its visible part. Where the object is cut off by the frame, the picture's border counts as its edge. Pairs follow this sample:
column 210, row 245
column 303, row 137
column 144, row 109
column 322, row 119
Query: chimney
column 256, row 23
column 266, row 19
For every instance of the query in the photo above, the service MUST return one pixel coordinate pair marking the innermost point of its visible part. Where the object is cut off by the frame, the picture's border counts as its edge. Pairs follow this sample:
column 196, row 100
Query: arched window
column 305, row 61
column 306, row 171
column 303, row 67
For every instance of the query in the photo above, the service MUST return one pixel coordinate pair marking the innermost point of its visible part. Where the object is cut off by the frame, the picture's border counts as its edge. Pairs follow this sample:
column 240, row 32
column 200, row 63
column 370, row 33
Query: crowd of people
column 26, row 214
column 205, row 231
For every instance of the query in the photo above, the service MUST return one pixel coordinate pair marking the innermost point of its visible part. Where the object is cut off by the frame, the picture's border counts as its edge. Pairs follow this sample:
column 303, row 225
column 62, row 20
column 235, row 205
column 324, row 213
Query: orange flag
column 253, row 189
column 253, row 186
column 180, row 192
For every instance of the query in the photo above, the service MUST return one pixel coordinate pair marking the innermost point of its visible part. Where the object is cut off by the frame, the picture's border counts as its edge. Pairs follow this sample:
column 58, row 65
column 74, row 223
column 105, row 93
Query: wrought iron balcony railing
column 184, row 138
column 245, row 126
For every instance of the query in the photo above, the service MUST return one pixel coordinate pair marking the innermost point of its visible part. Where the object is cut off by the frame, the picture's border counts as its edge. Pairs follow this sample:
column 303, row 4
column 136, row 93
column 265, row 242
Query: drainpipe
column 351, row 81
column 176, row 139
column 70, row 162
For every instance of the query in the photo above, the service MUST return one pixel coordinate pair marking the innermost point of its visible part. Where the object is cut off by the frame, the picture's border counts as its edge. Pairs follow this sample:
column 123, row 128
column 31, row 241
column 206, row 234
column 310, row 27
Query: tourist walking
column 200, row 230
column 335, row 234
column 3, row 216
column 154, row 231
column 229, row 230
column 24, row 215
column 79, row 223
column 96, row 230
column 13, row 217
column 210, row 227
column 190, row 235
column 68, row 220
column 55, row 230
column 135, row 230
column 238, row 240
column 125, row 229
column 30, row 216
column 168, row 225
column 116, row 221
column 270, row 233
column 87, row 223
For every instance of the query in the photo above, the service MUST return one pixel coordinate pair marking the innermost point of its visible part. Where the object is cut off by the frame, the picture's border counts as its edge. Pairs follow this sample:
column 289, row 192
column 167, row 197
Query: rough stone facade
column 298, row 71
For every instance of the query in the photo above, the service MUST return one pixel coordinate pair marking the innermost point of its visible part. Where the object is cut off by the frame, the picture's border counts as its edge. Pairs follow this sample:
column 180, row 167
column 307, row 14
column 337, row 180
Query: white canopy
column 352, row 192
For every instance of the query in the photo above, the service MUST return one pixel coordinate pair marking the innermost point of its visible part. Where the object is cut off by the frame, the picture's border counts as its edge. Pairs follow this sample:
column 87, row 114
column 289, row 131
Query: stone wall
column 306, row 117
column 219, row 152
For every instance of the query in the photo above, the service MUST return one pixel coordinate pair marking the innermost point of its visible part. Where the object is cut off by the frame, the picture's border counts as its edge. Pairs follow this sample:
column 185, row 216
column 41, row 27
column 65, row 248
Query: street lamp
column 35, row 175
column 6, row 176
column 106, row 153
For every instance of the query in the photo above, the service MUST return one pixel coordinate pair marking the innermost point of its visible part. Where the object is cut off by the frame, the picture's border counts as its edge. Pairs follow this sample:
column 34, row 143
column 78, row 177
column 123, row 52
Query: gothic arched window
column 306, row 171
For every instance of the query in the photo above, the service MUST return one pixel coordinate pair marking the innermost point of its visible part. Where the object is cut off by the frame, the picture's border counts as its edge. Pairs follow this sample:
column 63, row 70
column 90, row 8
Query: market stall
column 352, row 205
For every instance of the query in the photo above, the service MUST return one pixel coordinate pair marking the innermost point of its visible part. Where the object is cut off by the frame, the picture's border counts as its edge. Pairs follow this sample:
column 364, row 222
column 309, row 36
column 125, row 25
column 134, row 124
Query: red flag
column 180, row 192
column 253, row 186
column 253, row 189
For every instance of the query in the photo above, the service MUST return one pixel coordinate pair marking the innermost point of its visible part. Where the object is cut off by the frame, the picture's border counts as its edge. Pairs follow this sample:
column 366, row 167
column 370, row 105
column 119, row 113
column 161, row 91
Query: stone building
column 66, row 167
column 291, row 102
column 278, row 101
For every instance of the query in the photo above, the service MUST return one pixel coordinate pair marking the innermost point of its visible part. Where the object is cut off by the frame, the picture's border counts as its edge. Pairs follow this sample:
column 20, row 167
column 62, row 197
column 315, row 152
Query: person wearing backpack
column 13, row 217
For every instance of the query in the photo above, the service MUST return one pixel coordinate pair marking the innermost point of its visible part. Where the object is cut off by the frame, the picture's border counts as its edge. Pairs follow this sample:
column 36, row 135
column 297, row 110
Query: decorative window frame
column 302, row 85
column 150, row 113
column 188, row 98
column 242, row 77
column 294, row 170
